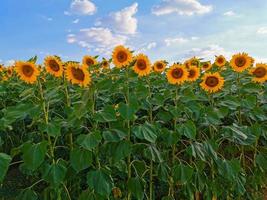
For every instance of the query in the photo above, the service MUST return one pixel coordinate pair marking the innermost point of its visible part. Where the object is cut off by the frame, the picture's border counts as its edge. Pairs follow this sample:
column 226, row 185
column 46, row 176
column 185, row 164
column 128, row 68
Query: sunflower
column 78, row 75
column 9, row 71
column 241, row 61
column 1, row 68
column 259, row 73
column 159, row 66
column 88, row 61
column 53, row 66
column 206, row 66
column 193, row 74
column 177, row 74
column 187, row 63
column 220, row 61
column 212, row 82
column 121, row 56
column 27, row 71
column 142, row 65
column 105, row 64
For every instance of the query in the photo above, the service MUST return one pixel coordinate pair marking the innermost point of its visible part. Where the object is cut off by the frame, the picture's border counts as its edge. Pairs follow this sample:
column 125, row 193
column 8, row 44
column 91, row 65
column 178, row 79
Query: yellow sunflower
column 206, row 66
column 9, row 71
column 121, row 56
column 78, row 75
column 193, row 73
column 212, row 82
column 187, row 63
column 88, row 61
column 220, row 61
column 105, row 64
column 192, row 62
column 159, row 66
column 259, row 73
column 241, row 61
column 142, row 65
column 1, row 68
column 53, row 66
column 177, row 74
column 27, row 71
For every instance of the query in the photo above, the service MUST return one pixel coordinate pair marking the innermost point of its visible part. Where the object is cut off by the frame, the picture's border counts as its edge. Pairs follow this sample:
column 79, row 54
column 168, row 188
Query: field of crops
column 126, row 128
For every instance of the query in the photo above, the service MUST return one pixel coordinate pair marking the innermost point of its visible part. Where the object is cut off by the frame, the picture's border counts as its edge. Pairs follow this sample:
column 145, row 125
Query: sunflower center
column 260, row 72
column 54, row 65
column 27, row 70
column 105, row 63
column 206, row 65
column 122, row 56
column 212, row 81
column 177, row 73
column 77, row 74
column 159, row 66
column 89, row 62
column 141, row 64
column 220, row 60
column 192, row 73
column 240, row 61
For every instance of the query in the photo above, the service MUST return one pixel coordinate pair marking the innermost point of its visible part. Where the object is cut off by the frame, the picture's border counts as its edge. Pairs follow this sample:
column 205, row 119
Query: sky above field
column 163, row 29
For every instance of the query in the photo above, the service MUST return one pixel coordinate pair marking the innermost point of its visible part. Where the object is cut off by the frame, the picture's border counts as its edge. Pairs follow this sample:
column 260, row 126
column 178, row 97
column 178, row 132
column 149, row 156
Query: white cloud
column 229, row 13
column 76, row 21
column 99, row 39
column 122, row 21
column 181, row 7
column 208, row 52
column 177, row 40
column 145, row 47
column 262, row 30
column 9, row 62
column 82, row 7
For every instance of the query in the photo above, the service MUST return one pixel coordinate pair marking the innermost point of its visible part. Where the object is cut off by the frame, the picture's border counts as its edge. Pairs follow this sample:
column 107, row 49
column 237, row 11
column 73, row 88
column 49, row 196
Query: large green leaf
column 100, row 181
column 146, row 131
column 34, row 154
column 28, row 194
column 121, row 150
column 89, row 141
column 55, row 173
column 188, row 129
column 136, row 187
column 126, row 111
column 182, row 173
column 4, row 163
column 108, row 114
column 80, row 159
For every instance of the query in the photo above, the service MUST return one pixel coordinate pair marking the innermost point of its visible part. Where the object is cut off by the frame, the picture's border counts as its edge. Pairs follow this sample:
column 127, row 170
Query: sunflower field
column 124, row 128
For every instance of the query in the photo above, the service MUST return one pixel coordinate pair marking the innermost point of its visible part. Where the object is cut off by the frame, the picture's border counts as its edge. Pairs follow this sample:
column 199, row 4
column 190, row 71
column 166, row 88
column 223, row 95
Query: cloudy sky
column 163, row 29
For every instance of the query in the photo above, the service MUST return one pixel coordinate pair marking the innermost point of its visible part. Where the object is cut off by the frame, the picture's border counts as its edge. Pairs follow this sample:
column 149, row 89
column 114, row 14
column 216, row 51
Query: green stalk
column 45, row 110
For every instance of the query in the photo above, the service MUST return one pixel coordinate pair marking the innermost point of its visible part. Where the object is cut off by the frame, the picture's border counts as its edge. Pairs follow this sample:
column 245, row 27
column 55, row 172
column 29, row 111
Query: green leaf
column 55, row 174
column 261, row 160
column 151, row 152
column 136, row 187
column 182, row 173
column 34, row 154
column 162, row 170
column 99, row 181
column 53, row 129
column 114, row 135
column 28, row 194
column 80, row 159
column 146, row 131
column 121, row 150
column 89, row 141
column 108, row 114
column 126, row 111
column 4, row 163
column 249, row 102
column 188, row 129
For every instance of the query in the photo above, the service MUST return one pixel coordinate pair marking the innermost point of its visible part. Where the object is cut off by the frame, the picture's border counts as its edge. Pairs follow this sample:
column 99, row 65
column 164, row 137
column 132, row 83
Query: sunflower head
column 77, row 74
column 192, row 62
column 105, row 64
column 220, row 61
column 89, row 61
column 53, row 66
column 177, row 74
column 241, row 61
column 206, row 66
column 142, row 65
column 9, row 71
column 121, row 56
column 212, row 82
column 193, row 73
column 1, row 68
column 27, row 71
column 159, row 66
column 259, row 73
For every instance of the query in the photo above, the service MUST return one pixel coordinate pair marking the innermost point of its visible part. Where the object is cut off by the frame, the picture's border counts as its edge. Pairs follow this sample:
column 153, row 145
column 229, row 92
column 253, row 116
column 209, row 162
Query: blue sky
column 163, row 29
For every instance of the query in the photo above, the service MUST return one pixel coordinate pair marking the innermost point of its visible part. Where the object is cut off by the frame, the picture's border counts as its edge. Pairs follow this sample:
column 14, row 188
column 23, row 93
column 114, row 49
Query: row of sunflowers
column 124, row 128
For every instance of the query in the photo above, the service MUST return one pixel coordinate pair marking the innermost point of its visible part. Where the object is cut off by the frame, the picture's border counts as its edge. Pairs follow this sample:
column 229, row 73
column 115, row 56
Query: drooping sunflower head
column 159, row 66
column 142, row 65
column 53, row 66
column 105, row 64
column 193, row 73
column 27, row 71
column 121, row 56
column 192, row 62
column 220, row 61
column 77, row 74
column 206, row 66
column 89, row 61
column 212, row 82
column 259, row 73
column 241, row 61
column 177, row 74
